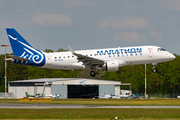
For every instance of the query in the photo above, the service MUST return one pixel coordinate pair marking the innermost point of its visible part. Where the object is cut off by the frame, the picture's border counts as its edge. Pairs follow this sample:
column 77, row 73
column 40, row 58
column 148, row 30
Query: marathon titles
column 121, row 51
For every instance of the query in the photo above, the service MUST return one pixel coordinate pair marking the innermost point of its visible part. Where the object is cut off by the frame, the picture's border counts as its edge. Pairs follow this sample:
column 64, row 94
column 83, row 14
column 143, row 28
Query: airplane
column 109, row 59
column 111, row 96
column 134, row 96
column 37, row 95
column 53, row 95
column 107, row 96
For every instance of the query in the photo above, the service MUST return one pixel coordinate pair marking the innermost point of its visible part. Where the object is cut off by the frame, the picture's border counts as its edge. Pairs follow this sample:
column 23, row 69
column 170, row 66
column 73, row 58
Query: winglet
column 71, row 50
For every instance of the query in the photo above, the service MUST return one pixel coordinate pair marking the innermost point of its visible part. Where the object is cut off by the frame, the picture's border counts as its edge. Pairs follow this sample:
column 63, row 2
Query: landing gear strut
column 153, row 66
column 92, row 73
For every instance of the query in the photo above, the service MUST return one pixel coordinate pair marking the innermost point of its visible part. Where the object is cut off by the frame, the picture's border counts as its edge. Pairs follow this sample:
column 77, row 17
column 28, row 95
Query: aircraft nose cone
column 171, row 56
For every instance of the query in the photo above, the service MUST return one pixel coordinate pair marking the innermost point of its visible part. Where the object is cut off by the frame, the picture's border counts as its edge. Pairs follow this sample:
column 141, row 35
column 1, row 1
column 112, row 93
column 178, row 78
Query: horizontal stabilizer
column 18, row 58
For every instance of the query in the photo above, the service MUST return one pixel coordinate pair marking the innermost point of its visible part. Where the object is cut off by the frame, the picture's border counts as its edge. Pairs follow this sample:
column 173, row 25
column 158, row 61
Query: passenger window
column 59, row 57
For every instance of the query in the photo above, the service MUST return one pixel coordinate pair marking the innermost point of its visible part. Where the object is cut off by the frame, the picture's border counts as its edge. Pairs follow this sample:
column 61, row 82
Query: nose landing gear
column 153, row 67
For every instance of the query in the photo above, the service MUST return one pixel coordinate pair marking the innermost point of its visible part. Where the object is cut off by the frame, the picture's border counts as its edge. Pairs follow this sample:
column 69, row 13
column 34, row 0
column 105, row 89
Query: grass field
column 131, row 102
column 97, row 113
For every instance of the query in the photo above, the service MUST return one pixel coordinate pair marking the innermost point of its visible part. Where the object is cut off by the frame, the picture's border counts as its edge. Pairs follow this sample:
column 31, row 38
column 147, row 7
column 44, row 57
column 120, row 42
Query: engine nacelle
column 112, row 66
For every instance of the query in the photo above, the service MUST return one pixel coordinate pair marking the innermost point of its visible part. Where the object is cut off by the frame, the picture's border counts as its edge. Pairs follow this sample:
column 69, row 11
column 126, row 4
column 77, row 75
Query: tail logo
column 12, row 37
column 36, row 58
column 28, row 52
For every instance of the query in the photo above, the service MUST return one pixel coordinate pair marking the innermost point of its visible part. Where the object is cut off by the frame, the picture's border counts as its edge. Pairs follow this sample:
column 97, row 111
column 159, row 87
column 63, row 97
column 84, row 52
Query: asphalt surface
column 48, row 106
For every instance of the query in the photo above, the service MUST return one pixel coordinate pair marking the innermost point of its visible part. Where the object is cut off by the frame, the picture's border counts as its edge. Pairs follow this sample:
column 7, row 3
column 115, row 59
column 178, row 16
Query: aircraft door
column 49, row 60
column 150, row 52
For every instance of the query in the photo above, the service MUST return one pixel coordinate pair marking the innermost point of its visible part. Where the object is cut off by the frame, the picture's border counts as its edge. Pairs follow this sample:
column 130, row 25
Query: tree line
column 165, row 80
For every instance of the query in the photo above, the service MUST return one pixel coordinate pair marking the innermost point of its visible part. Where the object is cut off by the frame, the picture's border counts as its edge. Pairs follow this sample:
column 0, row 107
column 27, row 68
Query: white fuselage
column 107, row 59
column 124, row 55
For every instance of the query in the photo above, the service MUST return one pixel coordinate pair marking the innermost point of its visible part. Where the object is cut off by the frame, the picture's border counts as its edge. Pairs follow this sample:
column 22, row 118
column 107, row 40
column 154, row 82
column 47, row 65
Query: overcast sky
column 91, row 24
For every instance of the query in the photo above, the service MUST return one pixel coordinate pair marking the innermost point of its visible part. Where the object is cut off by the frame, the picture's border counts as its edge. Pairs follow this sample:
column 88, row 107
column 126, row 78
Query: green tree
column 61, row 50
column 48, row 51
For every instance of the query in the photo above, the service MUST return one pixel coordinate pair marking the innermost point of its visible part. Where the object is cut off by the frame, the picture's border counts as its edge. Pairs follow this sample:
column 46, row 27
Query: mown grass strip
column 97, row 113
column 129, row 102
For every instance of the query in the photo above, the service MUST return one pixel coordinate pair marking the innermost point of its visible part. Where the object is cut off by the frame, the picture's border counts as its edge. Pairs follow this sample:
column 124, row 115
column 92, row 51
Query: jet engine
column 113, row 65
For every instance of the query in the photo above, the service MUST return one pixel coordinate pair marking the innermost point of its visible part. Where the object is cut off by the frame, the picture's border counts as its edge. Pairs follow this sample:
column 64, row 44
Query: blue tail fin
column 17, row 47
column 21, row 48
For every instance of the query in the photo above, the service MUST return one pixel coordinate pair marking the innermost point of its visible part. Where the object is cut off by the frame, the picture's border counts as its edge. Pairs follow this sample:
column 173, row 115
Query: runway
column 50, row 106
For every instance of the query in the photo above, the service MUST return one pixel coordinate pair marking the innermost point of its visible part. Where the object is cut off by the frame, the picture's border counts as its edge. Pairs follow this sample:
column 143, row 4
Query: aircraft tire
column 92, row 73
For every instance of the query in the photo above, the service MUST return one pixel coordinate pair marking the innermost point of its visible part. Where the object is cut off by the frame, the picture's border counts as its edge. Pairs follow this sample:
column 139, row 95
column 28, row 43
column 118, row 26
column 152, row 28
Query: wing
column 87, row 61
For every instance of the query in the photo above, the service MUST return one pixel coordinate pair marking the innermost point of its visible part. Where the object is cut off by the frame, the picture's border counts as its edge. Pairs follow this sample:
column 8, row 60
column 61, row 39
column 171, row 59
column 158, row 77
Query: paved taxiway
column 47, row 106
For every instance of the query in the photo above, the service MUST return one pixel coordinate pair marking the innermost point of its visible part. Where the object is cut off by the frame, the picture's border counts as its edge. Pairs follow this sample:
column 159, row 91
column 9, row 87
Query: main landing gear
column 92, row 73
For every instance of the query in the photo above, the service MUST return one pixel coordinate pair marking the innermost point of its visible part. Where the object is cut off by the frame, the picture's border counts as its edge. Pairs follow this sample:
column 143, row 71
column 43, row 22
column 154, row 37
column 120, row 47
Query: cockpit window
column 161, row 49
